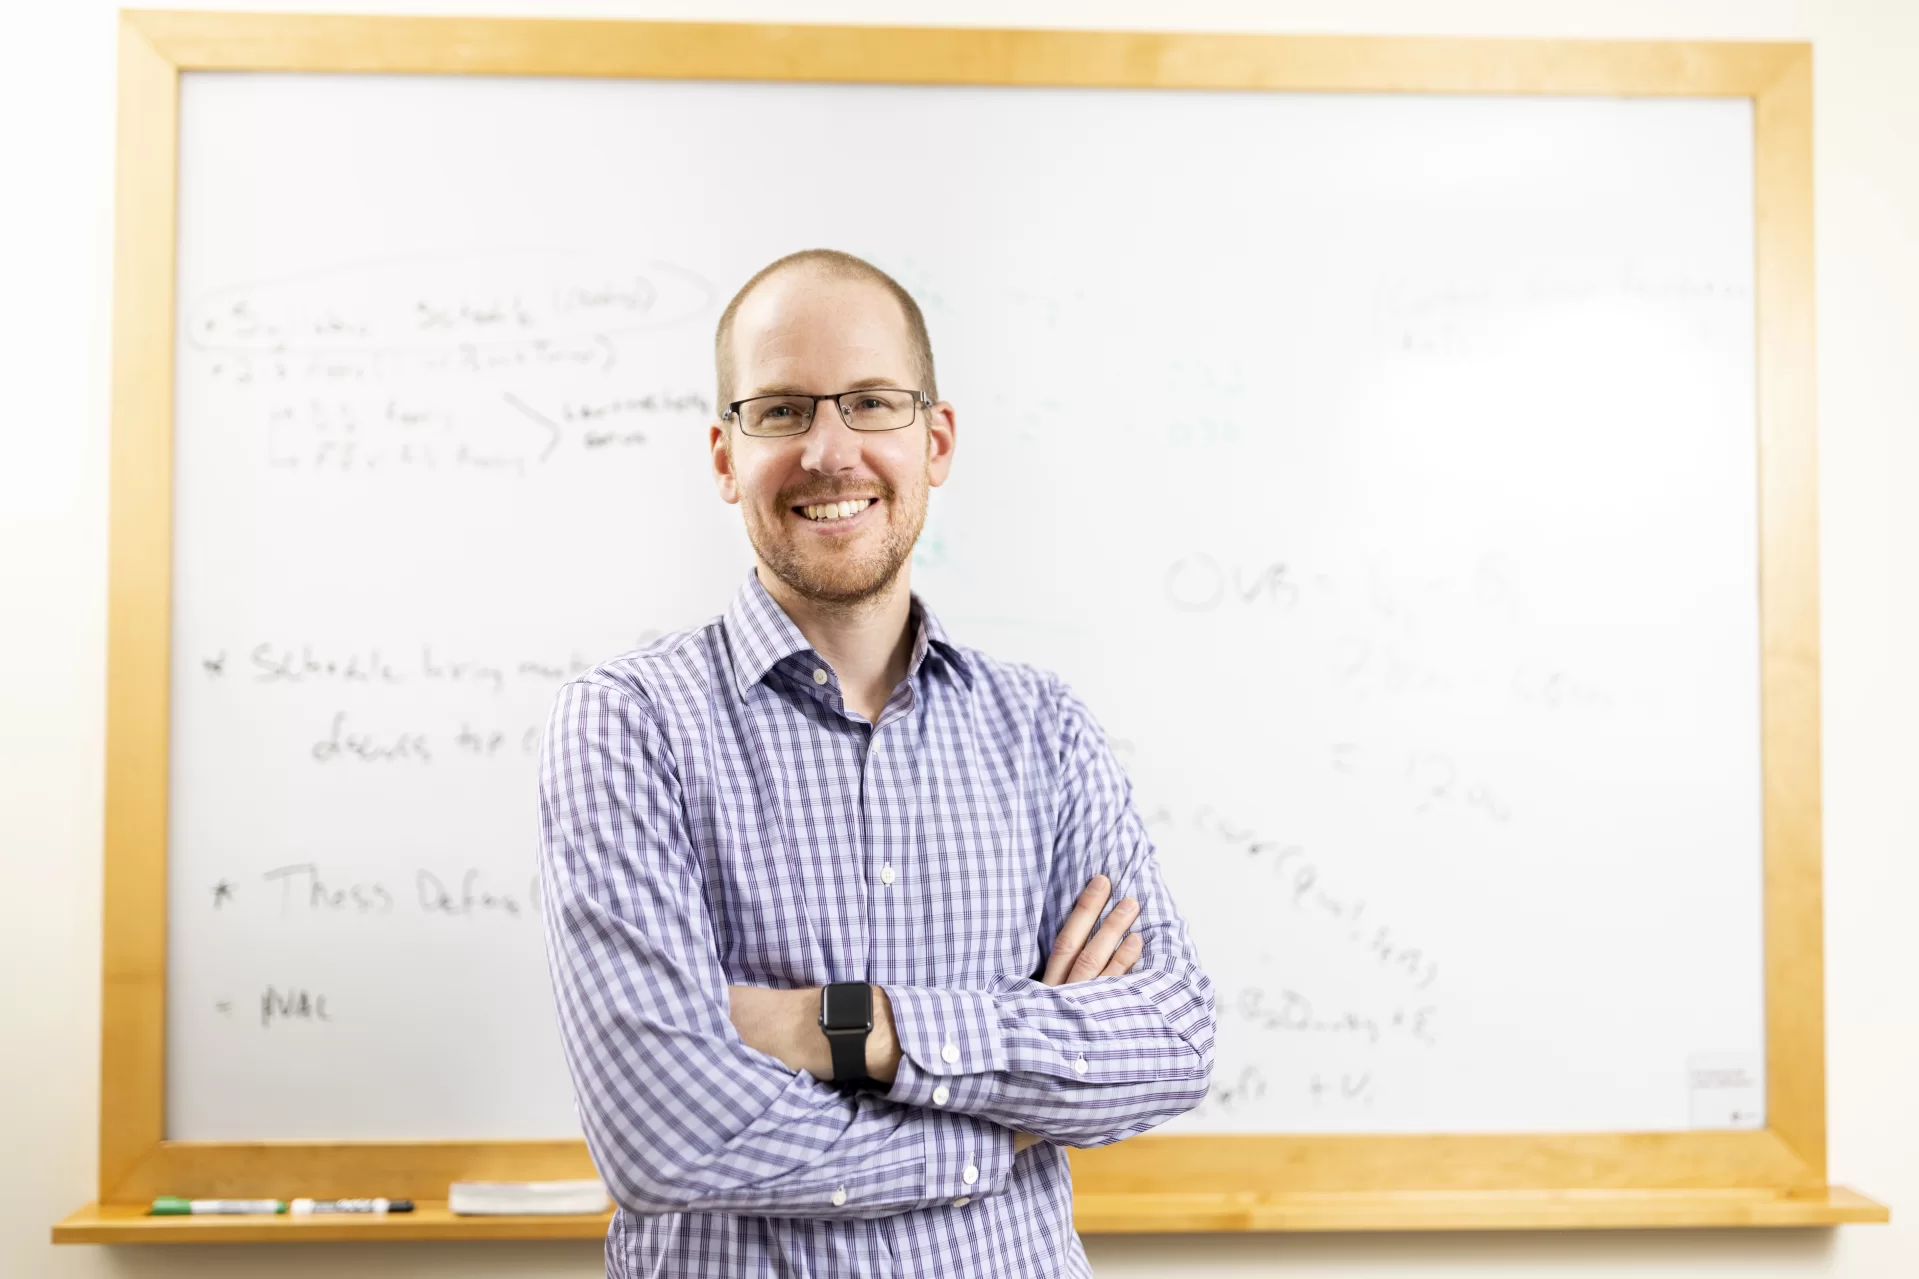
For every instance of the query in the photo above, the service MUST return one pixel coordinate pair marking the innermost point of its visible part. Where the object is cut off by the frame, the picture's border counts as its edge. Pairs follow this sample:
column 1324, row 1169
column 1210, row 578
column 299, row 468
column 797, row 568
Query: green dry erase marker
column 173, row 1206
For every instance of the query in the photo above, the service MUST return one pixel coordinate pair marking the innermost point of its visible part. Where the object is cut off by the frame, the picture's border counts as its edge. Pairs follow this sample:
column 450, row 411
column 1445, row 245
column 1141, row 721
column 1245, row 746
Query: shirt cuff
column 951, row 1047
column 966, row 1159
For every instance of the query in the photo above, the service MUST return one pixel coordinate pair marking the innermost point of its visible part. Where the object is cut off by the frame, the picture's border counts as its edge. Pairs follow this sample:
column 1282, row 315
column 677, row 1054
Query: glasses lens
column 877, row 410
column 776, row 415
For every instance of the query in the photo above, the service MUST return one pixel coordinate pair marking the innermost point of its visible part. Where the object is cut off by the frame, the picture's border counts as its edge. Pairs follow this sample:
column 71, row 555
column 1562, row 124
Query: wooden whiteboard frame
column 1153, row 1183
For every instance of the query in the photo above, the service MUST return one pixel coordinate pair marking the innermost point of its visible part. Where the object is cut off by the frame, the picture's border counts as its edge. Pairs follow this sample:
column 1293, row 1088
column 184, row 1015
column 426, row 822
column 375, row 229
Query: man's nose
column 831, row 445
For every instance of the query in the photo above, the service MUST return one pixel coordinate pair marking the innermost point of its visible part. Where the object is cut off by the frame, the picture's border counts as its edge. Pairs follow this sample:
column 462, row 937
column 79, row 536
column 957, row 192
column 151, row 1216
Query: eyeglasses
column 878, row 408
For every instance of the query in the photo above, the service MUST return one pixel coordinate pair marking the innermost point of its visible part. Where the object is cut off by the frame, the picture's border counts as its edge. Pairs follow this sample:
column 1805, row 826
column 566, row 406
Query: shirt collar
column 932, row 638
column 762, row 636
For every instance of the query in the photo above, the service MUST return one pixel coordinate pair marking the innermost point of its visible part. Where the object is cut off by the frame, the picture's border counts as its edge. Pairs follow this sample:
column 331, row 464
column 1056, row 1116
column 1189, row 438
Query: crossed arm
column 697, row 1096
column 784, row 1023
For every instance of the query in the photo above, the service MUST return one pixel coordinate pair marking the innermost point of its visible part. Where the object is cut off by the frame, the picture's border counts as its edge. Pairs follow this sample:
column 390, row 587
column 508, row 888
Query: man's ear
column 942, row 428
column 720, row 441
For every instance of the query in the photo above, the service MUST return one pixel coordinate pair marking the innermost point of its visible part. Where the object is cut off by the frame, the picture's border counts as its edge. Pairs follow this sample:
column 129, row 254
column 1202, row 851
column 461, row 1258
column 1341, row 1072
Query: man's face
column 803, row 332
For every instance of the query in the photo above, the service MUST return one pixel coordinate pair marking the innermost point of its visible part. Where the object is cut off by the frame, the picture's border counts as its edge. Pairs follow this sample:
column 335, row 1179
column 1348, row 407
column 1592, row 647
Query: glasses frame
column 920, row 401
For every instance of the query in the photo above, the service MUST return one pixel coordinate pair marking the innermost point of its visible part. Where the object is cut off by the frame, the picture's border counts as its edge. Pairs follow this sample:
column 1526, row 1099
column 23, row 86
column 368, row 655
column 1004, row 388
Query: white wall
column 56, row 113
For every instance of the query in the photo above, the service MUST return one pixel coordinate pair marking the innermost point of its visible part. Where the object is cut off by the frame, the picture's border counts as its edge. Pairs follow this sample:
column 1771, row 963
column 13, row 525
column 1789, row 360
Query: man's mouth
column 832, row 512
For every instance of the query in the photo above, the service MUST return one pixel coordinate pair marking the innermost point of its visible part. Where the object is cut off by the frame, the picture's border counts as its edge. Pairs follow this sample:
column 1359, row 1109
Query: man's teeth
column 836, row 510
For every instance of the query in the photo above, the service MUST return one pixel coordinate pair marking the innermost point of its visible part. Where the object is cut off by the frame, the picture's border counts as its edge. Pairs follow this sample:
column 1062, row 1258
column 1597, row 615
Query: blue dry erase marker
column 173, row 1206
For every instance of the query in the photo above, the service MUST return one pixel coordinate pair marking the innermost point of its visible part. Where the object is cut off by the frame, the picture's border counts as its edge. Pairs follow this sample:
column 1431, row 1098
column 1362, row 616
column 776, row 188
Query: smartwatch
column 846, row 1018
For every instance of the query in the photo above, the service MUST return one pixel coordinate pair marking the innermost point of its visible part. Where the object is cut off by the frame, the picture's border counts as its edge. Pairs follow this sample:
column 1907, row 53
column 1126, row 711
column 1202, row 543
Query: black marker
column 378, row 1207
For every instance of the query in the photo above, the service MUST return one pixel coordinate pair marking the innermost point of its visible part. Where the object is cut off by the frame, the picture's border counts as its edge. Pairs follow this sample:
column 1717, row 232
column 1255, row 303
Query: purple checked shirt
column 711, row 814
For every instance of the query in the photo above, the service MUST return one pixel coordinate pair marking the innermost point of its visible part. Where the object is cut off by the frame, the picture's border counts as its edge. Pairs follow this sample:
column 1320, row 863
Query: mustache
column 812, row 492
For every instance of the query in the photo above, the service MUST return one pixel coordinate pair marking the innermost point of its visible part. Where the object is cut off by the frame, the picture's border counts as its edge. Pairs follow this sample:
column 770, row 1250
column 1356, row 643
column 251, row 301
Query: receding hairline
column 827, row 264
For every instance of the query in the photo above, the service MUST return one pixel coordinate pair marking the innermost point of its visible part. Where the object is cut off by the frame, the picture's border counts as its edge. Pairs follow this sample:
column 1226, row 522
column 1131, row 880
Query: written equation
column 1379, row 634
column 1322, row 1000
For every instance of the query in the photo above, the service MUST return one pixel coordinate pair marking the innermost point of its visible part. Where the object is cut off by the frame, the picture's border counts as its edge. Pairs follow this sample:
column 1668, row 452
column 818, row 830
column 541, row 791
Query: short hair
column 837, row 266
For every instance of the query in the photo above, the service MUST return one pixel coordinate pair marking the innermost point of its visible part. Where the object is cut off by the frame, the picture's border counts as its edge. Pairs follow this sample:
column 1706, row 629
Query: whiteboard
column 1380, row 469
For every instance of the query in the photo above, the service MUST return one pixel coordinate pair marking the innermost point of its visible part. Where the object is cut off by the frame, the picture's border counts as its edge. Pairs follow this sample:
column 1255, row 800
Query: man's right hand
column 1080, row 954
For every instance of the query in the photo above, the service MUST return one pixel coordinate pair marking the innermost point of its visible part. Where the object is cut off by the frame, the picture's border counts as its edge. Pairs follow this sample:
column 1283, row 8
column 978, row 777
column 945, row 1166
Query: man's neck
column 868, row 644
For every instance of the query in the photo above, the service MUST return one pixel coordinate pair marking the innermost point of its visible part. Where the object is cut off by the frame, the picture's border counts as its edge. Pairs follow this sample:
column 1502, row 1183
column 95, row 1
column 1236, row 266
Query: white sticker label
column 1728, row 1090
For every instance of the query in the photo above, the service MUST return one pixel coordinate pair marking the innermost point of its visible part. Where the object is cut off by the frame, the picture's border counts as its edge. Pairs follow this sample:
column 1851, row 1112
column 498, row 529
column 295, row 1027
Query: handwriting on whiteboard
column 428, row 663
column 1453, row 316
column 1304, row 887
column 427, row 305
column 452, row 363
column 302, row 890
column 1380, row 637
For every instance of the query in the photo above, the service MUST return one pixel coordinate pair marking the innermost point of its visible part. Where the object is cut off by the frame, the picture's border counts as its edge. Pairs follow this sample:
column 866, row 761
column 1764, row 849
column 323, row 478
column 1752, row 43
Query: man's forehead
column 845, row 322
column 794, row 370
column 802, row 295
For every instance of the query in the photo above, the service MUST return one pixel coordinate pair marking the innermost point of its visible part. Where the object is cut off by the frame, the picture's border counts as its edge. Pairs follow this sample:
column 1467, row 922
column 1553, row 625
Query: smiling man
column 827, row 892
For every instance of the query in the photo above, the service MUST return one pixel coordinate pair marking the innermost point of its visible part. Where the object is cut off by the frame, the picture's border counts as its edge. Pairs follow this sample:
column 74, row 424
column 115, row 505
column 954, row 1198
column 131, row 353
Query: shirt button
column 961, row 1202
column 940, row 1094
column 886, row 875
column 969, row 1174
column 819, row 675
column 949, row 1054
column 839, row 1196
column 1079, row 1064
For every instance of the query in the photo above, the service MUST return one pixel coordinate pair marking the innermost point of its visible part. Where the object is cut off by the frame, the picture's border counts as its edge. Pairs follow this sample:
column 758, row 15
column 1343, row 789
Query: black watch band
column 846, row 1019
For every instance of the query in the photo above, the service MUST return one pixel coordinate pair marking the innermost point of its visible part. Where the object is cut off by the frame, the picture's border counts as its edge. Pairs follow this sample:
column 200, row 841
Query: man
column 800, row 862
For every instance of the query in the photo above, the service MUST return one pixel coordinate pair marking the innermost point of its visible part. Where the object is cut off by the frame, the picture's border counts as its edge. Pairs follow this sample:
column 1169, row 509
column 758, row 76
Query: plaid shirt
column 711, row 813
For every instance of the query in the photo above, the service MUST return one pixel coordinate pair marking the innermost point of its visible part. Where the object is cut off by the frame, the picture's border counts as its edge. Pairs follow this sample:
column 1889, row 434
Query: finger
column 1073, row 932
column 1099, row 948
column 1126, row 956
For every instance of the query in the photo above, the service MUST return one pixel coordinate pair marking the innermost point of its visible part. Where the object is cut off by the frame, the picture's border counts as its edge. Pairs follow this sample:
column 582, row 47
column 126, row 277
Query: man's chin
column 836, row 584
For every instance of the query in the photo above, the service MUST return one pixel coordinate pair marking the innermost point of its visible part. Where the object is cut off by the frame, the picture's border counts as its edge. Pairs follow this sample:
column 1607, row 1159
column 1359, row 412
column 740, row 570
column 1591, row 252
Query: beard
column 836, row 575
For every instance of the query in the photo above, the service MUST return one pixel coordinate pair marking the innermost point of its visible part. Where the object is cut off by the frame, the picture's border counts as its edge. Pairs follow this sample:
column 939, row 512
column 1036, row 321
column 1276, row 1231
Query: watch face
column 847, row 1006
